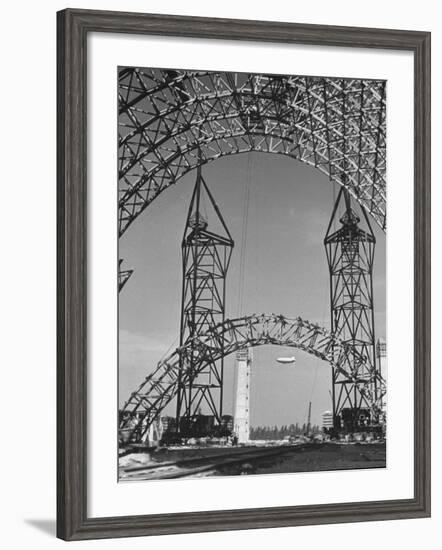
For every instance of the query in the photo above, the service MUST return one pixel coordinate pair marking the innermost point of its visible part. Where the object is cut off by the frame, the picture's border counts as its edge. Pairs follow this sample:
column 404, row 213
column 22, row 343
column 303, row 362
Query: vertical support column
column 350, row 255
column 381, row 353
column 241, row 417
column 206, row 248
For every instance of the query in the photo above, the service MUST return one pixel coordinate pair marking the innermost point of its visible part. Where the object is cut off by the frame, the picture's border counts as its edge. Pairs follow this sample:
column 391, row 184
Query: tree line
column 275, row 432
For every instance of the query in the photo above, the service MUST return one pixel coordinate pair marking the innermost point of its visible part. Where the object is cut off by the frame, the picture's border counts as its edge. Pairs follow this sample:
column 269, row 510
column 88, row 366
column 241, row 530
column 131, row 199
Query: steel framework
column 171, row 121
column 206, row 251
column 350, row 254
column 123, row 275
column 160, row 387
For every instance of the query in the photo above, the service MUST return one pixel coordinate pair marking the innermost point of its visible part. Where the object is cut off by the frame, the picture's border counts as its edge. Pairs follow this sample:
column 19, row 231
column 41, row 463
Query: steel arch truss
column 171, row 121
column 160, row 387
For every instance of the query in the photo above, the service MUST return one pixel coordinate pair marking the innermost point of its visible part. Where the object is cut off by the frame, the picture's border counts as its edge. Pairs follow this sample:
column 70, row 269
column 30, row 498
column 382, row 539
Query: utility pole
column 309, row 418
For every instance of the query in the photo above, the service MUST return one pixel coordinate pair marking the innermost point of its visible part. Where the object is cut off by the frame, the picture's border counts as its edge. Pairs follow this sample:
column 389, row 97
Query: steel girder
column 171, row 121
column 160, row 387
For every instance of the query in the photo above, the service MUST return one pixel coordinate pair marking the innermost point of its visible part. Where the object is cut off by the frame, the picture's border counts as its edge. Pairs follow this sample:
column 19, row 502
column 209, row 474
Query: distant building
column 327, row 420
column 381, row 348
column 381, row 354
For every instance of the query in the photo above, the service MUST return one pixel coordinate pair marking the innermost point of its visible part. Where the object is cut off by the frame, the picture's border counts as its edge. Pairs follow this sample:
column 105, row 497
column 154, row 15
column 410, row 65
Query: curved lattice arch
column 160, row 387
column 171, row 121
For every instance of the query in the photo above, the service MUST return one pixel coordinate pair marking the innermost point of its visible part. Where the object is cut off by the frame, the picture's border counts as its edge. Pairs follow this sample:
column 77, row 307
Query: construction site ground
column 169, row 463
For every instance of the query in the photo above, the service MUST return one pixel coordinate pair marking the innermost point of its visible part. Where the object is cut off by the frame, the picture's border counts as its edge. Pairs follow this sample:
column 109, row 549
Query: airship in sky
column 286, row 360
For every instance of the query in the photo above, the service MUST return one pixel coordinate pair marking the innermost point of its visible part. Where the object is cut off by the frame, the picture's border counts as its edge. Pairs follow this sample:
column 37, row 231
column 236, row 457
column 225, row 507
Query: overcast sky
column 285, row 272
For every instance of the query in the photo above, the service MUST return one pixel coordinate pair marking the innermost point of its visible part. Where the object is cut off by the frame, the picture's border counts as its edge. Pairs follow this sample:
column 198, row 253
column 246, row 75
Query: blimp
column 286, row 360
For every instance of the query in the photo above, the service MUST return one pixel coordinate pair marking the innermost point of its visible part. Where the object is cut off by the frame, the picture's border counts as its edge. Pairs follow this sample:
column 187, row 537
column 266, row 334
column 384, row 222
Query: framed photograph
column 243, row 274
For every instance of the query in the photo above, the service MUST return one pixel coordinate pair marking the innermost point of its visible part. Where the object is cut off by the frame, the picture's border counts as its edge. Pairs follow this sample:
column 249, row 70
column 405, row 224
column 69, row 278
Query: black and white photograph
column 251, row 273
column 221, row 225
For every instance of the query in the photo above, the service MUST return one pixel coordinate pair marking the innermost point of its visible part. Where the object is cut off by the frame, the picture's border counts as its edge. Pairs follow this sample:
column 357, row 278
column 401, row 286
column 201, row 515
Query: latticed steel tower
column 206, row 251
column 350, row 254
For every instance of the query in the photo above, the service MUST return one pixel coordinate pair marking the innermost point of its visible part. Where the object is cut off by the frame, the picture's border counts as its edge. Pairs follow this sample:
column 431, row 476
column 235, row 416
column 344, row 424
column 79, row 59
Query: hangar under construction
column 174, row 121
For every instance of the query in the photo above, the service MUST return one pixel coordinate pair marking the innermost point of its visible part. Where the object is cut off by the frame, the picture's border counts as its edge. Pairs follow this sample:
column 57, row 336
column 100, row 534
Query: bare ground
column 311, row 457
column 322, row 457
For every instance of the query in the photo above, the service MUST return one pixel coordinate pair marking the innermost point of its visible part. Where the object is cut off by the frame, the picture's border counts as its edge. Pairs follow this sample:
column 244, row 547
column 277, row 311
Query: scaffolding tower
column 206, row 251
column 350, row 254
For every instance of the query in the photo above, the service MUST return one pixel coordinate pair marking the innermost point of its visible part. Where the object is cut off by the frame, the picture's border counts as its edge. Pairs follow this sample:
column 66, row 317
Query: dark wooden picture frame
column 73, row 27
